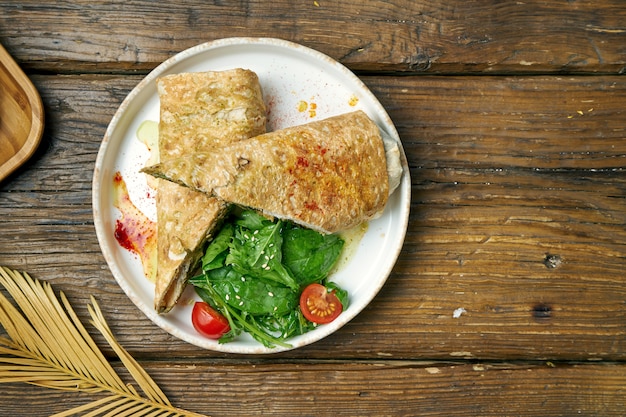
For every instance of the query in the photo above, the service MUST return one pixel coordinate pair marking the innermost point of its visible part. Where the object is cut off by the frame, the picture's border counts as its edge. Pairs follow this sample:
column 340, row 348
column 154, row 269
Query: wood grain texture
column 382, row 388
column 400, row 35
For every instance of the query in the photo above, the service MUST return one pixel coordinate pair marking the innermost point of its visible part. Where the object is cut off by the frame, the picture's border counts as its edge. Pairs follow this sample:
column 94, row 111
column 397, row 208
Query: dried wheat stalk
column 47, row 345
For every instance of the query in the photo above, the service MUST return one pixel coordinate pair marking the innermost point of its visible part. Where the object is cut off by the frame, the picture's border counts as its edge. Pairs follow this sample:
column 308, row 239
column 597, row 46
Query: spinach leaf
column 309, row 255
column 256, row 250
column 252, row 220
column 287, row 325
column 216, row 252
column 342, row 294
column 255, row 296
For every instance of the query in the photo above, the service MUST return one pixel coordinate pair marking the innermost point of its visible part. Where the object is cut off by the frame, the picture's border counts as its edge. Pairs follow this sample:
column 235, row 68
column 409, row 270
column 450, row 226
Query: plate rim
column 388, row 125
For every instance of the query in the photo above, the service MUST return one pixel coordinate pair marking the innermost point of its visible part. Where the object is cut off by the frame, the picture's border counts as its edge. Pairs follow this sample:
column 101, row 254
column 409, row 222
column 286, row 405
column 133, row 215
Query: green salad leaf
column 309, row 254
column 255, row 296
column 254, row 270
column 216, row 253
column 257, row 248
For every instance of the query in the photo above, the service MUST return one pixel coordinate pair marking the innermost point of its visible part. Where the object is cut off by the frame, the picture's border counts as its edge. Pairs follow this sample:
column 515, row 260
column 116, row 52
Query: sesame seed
column 271, row 294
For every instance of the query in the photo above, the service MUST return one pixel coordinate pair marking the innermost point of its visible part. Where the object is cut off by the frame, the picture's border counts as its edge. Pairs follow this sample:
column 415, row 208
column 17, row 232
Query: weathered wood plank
column 544, row 124
column 476, row 124
column 401, row 35
column 519, row 224
column 365, row 389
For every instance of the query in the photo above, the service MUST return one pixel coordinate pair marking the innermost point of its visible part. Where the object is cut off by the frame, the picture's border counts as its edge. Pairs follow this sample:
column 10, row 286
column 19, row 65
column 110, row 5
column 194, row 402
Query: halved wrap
column 328, row 175
column 199, row 112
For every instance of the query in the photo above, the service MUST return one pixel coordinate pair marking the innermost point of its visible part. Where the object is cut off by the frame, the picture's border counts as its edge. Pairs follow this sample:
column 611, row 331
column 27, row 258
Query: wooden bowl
column 21, row 116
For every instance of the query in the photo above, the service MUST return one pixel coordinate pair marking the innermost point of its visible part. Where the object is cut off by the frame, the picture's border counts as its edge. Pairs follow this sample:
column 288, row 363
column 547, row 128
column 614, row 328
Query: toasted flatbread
column 198, row 112
column 328, row 175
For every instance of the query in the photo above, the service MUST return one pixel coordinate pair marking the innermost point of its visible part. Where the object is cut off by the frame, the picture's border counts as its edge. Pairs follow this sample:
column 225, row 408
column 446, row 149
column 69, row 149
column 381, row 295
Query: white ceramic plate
column 289, row 74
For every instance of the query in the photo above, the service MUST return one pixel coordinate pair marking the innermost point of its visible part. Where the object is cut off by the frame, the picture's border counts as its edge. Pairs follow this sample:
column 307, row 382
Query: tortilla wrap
column 199, row 112
column 328, row 175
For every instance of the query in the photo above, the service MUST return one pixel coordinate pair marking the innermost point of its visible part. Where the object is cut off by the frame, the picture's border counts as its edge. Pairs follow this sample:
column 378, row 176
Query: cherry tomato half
column 208, row 322
column 318, row 305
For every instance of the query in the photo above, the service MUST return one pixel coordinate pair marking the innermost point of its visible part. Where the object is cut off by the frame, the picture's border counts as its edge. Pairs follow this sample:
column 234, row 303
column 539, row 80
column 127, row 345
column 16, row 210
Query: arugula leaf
column 310, row 255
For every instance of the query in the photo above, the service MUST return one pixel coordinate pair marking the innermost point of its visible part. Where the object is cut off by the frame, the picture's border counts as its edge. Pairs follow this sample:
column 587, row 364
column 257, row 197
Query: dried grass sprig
column 48, row 346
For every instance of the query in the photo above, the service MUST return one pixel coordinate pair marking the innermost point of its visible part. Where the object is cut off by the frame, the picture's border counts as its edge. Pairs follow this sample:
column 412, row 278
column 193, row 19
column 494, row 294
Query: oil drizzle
column 352, row 237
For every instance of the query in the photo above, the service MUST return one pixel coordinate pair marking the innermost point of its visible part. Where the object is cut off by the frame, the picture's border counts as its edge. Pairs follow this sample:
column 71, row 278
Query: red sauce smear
column 134, row 231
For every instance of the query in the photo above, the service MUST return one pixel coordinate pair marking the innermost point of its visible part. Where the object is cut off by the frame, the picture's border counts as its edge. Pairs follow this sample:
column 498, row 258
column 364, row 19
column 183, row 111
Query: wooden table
column 512, row 115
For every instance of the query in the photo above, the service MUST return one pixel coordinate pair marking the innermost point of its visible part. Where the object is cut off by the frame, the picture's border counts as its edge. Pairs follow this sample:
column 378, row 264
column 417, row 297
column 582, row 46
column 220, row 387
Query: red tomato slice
column 208, row 322
column 318, row 305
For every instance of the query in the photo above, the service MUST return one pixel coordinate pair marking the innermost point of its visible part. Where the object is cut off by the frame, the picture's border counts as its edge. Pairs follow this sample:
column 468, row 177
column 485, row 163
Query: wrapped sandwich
column 198, row 112
column 328, row 175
